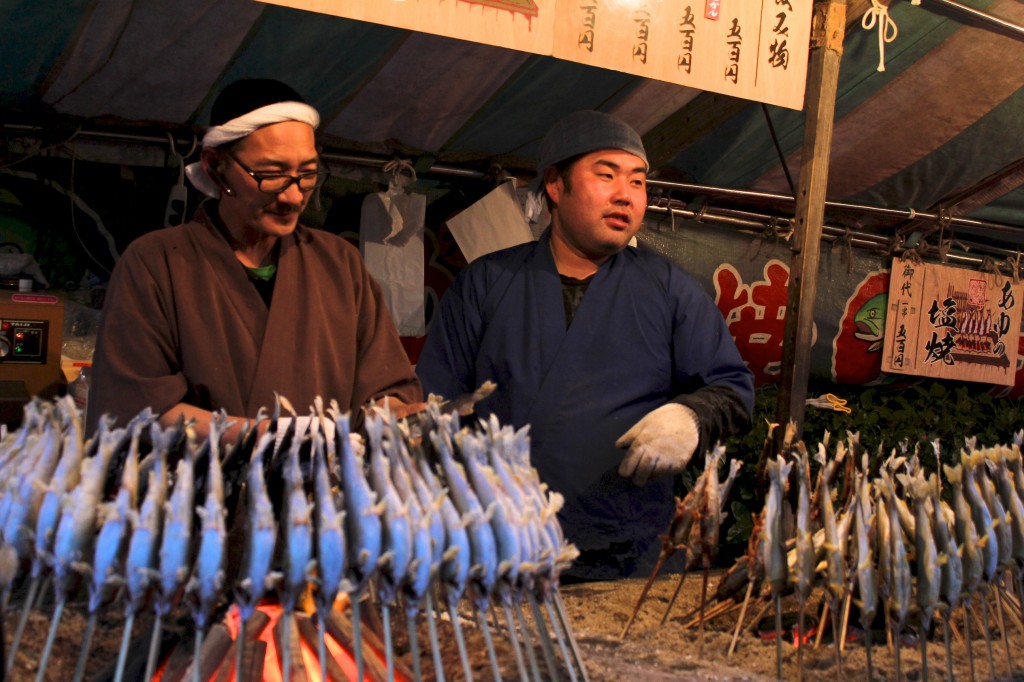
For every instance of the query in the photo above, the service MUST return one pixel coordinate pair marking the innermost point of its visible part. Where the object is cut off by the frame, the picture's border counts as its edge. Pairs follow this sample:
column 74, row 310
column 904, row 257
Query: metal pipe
column 763, row 221
column 831, row 233
column 984, row 16
column 442, row 169
column 379, row 161
column 907, row 214
column 339, row 158
column 880, row 239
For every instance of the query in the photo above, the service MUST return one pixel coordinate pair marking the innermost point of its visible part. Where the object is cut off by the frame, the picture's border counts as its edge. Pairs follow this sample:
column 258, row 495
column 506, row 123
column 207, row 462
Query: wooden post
column 827, row 31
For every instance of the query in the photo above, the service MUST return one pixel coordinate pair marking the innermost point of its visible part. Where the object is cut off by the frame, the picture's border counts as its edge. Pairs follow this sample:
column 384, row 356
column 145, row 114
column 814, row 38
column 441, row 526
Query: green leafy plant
column 909, row 415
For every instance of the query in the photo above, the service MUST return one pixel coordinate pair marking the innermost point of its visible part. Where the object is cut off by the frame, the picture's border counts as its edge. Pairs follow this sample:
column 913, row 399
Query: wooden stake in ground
column 754, row 567
column 1002, row 627
column 739, row 621
column 828, row 27
column 987, row 631
column 967, row 637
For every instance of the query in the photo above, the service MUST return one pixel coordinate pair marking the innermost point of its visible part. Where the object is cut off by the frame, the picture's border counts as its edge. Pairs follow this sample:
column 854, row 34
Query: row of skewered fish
column 899, row 548
column 145, row 517
column 903, row 546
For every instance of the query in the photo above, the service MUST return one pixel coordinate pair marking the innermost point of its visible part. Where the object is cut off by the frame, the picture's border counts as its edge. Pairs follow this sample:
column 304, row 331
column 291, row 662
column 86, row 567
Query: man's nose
column 621, row 194
column 291, row 194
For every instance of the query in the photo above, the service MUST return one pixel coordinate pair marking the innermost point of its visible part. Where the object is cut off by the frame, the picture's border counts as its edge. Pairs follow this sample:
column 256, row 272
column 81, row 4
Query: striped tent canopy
column 939, row 131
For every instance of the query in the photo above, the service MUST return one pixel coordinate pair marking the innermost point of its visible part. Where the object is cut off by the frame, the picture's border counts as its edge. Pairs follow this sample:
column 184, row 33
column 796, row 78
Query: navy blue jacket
column 645, row 334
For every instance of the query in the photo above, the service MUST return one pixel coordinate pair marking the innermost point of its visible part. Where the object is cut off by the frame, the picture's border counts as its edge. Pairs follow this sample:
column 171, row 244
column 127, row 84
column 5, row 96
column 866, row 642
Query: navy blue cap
column 587, row 131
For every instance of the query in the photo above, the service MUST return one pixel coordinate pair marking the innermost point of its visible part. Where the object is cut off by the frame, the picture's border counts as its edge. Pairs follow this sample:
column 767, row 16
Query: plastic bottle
column 79, row 389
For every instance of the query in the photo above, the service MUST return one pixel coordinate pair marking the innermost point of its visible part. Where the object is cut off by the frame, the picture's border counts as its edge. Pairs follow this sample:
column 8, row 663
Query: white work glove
column 661, row 443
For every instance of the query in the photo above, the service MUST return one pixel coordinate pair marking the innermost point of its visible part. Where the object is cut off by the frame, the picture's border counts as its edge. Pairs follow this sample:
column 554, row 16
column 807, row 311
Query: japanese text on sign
column 744, row 48
column 952, row 323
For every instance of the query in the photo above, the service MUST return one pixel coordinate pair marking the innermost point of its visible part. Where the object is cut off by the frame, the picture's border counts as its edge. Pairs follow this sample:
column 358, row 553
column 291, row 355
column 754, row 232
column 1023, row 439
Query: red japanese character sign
column 756, row 315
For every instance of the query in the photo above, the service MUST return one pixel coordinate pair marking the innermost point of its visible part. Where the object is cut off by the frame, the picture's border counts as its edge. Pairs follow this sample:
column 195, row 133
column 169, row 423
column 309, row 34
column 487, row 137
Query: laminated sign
column 752, row 49
column 952, row 323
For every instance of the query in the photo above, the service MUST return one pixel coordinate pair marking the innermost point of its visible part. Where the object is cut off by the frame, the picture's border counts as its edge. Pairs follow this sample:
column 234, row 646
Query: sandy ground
column 676, row 650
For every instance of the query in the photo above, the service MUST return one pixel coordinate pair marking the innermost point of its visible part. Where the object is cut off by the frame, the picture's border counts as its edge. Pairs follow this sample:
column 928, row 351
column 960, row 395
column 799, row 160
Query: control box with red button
column 23, row 341
column 31, row 336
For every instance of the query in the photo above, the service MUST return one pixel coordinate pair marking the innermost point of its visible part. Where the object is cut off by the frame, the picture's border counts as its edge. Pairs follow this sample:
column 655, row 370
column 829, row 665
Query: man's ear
column 213, row 165
column 211, row 161
column 554, row 184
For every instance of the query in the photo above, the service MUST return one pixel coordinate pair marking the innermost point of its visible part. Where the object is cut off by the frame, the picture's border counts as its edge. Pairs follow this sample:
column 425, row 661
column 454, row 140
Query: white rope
column 887, row 31
column 399, row 167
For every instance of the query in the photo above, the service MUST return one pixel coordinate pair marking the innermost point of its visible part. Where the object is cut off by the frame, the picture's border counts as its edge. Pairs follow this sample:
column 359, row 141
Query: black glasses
column 275, row 183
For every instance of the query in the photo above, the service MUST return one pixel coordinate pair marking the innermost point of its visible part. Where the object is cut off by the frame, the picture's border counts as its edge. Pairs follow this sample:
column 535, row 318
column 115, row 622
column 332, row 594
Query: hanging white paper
column 495, row 222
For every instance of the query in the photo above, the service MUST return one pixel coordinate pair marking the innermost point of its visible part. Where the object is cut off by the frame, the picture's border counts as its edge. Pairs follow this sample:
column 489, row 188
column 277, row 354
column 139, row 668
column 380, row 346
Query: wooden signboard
column 753, row 49
column 952, row 323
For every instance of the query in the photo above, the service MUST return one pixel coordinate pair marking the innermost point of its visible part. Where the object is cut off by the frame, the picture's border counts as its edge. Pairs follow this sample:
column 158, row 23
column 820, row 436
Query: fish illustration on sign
column 857, row 345
column 870, row 322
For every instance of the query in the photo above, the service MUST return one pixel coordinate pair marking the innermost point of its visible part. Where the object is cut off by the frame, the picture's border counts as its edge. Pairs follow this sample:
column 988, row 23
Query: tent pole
column 827, row 31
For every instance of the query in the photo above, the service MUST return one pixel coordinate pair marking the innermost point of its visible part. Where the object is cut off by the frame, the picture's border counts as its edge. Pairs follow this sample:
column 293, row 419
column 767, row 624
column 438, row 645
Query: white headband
column 245, row 125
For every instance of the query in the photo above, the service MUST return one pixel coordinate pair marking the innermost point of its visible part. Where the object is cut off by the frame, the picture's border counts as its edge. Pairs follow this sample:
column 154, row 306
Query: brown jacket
column 182, row 323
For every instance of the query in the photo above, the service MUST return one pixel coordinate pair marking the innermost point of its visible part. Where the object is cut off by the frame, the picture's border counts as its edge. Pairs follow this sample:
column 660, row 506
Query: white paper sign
column 495, row 222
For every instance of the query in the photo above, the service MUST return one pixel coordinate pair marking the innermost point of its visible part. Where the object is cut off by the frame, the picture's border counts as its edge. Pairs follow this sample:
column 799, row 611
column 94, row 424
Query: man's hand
column 399, row 409
column 661, row 443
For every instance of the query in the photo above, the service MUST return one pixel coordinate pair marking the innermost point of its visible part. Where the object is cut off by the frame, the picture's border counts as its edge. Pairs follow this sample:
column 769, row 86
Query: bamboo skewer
column 739, row 621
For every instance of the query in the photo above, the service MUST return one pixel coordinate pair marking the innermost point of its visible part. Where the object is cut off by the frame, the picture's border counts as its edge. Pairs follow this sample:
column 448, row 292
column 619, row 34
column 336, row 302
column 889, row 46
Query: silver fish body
column 112, row 540
column 805, row 555
column 983, row 522
column 362, row 511
column 929, row 577
column 296, row 532
column 774, row 544
column 330, row 532
column 396, row 547
column 28, row 492
column 867, row 576
column 836, row 564
column 1000, row 516
column 206, row 586
column 261, row 536
column 76, row 530
column 966, row 532
column 503, row 526
column 952, row 569
column 883, row 547
column 483, row 548
column 175, row 544
column 1011, row 500
column 899, row 572
column 65, row 478
column 144, row 545
column 711, row 517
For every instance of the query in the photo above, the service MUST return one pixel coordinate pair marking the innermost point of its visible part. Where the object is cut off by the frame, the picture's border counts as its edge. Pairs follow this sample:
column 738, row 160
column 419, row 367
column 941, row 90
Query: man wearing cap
column 242, row 302
column 617, row 359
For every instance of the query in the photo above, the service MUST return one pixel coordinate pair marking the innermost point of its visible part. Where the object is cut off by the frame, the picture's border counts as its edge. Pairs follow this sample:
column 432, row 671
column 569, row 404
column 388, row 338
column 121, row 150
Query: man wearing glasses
column 243, row 302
